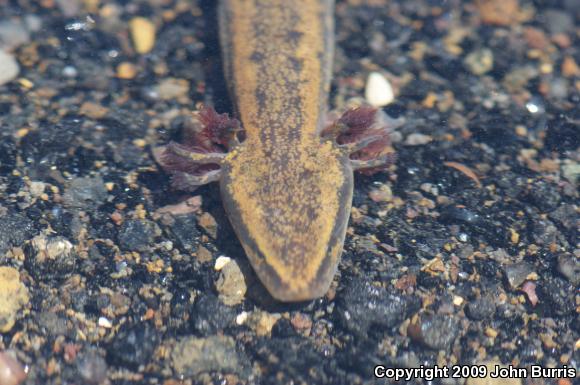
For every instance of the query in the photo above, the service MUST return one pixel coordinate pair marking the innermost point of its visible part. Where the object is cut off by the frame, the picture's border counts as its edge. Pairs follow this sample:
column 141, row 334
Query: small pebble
column 417, row 139
column 120, row 303
column 95, row 111
column 519, row 77
column 555, row 294
column 104, row 322
column 13, row 33
column 172, row 88
column 529, row 288
column 378, row 91
column 262, row 322
column 455, row 214
column 185, row 232
column 69, row 8
column 52, row 247
column 363, row 306
column 566, row 215
column 133, row 346
column 69, row 72
column 33, row 23
column 301, row 322
column 51, row 323
column 13, row 296
column 457, row 300
column 37, row 188
column 559, row 21
column 517, row 273
column 203, row 255
column 209, row 315
column 143, row 34
column 521, row 130
column 126, row 71
column 11, row 372
column 9, row 67
column 231, row 284
column 221, row 261
column 242, row 318
column 559, row 88
column 481, row 308
column 569, row 267
column 85, row 193
column 381, row 194
column 491, row 333
column 437, row 332
column 479, row 62
column 92, row 367
column 209, row 224
column 429, row 188
column 569, row 67
column 192, row 356
column 50, row 257
column 138, row 235
column 500, row 12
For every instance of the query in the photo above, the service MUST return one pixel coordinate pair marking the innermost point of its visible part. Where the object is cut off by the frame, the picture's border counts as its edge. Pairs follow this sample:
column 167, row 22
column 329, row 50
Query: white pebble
column 418, row 139
column 11, row 372
column 105, row 323
column 37, row 188
column 221, row 261
column 241, row 318
column 379, row 91
column 9, row 68
column 69, row 72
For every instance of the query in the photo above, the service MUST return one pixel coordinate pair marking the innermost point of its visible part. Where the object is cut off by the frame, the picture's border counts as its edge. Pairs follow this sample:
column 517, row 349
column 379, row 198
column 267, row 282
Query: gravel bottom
column 466, row 253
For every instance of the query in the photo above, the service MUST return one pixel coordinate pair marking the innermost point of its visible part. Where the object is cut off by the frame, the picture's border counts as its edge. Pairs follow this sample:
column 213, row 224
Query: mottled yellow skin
column 287, row 193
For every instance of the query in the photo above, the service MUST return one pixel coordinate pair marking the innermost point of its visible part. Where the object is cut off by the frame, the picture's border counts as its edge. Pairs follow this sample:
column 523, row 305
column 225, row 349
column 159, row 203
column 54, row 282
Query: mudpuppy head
column 290, row 210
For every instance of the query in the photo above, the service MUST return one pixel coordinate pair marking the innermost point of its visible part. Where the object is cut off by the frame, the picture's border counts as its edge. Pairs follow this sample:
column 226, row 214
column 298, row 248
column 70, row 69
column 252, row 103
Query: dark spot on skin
column 311, row 213
column 296, row 64
column 261, row 98
column 295, row 100
column 294, row 36
column 257, row 57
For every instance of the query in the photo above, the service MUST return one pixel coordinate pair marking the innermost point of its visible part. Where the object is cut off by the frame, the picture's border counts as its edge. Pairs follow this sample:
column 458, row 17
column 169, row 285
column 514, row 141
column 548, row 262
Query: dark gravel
column 133, row 346
column 137, row 235
column 363, row 306
column 14, row 230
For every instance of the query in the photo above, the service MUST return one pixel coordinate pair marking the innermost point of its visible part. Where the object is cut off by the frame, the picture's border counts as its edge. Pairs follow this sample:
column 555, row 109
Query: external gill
column 197, row 160
column 202, row 166
column 363, row 133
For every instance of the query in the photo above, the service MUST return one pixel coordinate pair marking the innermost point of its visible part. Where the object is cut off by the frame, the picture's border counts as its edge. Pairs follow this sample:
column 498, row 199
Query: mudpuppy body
column 286, row 179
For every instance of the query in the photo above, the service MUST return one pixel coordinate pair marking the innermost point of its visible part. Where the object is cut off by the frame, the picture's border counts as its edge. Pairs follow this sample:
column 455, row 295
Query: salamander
column 286, row 179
